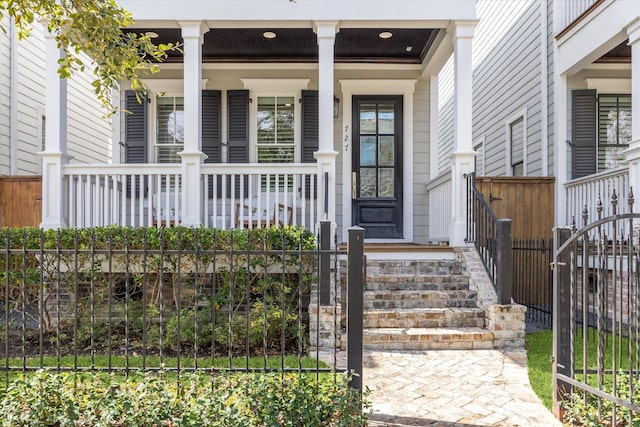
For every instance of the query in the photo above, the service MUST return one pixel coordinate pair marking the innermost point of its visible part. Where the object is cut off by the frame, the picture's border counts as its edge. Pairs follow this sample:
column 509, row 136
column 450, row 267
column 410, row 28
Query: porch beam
column 463, row 154
column 633, row 152
column 192, row 155
column 54, row 156
column 326, row 154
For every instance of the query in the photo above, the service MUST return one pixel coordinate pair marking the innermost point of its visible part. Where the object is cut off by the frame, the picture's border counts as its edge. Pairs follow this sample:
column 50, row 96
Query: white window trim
column 406, row 88
column 520, row 115
column 278, row 88
column 160, row 87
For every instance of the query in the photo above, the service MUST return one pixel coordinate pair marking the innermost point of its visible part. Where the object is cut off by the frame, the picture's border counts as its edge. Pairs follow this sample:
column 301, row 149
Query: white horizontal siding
column 421, row 111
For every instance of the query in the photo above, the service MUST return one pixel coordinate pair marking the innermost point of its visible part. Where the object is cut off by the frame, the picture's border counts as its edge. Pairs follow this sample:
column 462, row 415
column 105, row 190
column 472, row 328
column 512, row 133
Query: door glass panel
column 386, row 119
column 385, row 184
column 368, row 118
column 367, row 150
column 385, row 152
column 367, row 182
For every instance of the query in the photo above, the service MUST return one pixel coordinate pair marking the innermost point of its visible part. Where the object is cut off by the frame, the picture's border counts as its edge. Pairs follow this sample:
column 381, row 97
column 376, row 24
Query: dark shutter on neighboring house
column 211, row 136
column 135, row 137
column 238, row 129
column 310, row 140
column 583, row 134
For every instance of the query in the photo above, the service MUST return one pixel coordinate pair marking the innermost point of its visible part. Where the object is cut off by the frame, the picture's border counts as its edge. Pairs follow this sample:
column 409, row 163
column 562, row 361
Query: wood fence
column 20, row 201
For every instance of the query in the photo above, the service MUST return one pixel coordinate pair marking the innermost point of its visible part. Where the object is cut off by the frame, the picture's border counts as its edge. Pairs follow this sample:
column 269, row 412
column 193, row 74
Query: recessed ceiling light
column 269, row 35
column 385, row 35
column 151, row 34
column 409, row 48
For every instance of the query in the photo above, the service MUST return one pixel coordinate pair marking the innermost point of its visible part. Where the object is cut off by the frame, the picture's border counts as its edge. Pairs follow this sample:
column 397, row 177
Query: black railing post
column 325, row 262
column 561, row 318
column 504, row 273
column 355, row 305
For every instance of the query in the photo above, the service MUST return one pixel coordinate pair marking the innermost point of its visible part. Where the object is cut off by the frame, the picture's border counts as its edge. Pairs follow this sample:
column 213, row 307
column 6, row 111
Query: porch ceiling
column 619, row 54
column 299, row 44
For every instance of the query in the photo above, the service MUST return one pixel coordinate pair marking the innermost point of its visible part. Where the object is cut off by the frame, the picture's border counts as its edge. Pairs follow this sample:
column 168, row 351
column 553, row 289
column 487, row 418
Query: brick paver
column 452, row 388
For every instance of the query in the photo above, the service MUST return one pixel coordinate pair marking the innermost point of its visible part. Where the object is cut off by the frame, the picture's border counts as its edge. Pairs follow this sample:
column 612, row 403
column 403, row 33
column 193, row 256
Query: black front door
column 377, row 165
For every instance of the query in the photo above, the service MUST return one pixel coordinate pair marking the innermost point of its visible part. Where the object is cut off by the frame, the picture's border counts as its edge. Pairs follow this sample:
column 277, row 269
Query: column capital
column 193, row 29
column 463, row 29
column 326, row 29
column 633, row 31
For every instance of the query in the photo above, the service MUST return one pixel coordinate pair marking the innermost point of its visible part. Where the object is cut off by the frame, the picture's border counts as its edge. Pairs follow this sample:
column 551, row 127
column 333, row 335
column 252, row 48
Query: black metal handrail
column 492, row 238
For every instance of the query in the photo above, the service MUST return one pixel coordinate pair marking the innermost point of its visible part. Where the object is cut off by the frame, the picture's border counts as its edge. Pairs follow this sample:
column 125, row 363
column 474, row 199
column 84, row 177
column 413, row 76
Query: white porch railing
column 234, row 195
column 586, row 191
column 439, row 191
column 570, row 10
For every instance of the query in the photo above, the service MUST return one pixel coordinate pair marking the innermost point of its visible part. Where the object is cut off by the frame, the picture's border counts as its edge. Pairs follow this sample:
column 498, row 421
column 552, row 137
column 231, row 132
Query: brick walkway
column 452, row 388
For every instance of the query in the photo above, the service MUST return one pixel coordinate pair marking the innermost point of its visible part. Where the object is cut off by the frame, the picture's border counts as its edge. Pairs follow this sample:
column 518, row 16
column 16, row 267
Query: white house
column 279, row 111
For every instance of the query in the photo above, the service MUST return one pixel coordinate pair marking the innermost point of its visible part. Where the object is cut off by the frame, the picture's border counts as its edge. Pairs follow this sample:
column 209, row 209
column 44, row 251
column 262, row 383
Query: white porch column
column 54, row 156
column 633, row 153
column 192, row 155
column 326, row 155
column 463, row 154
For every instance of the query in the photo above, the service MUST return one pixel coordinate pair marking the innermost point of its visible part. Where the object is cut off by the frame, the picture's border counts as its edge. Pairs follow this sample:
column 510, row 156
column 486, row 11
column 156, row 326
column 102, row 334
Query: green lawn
column 539, row 350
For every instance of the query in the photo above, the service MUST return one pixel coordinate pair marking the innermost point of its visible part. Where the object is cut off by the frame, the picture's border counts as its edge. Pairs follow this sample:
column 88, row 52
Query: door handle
column 354, row 188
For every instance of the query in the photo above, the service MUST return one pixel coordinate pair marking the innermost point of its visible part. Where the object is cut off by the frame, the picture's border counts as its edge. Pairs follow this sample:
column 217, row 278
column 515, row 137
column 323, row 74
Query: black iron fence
column 532, row 279
column 492, row 239
column 596, row 320
column 176, row 299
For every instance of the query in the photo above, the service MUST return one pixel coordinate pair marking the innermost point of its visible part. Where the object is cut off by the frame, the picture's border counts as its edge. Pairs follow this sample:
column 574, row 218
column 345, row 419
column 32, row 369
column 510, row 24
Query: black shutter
column 135, row 135
column 211, row 138
column 310, row 139
column 584, row 132
column 238, row 129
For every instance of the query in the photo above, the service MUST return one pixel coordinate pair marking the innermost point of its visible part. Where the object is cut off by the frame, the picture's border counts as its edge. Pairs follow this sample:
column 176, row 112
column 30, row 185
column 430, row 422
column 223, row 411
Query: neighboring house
column 22, row 108
column 22, row 115
column 285, row 112
column 553, row 94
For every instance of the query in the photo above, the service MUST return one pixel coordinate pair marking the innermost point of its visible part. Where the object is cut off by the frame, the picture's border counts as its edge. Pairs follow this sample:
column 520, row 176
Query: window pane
column 266, row 120
column 285, row 124
column 275, row 154
column 170, row 120
column 367, row 118
column 168, row 153
column 385, row 183
column 386, row 119
column 385, row 153
column 368, row 150
column 614, row 129
column 517, row 142
column 367, row 182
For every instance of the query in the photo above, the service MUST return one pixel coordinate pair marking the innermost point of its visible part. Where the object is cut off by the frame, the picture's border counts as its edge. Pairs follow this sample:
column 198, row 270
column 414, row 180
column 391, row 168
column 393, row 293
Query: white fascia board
column 595, row 35
column 282, row 10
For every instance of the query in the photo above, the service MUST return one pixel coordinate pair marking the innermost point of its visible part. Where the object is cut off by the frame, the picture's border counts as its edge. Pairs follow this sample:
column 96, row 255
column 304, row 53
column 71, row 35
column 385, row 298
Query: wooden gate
column 20, row 201
column 527, row 201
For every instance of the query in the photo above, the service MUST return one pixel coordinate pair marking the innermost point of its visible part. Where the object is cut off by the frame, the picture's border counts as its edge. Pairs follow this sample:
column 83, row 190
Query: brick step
column 424, row 318
column 410, row 282
column 427, row 339
column 422, row 267
column 419, row 299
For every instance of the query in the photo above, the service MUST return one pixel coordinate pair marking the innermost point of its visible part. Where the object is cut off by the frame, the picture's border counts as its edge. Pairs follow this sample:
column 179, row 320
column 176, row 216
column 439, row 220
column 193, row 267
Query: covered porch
column 283, row 117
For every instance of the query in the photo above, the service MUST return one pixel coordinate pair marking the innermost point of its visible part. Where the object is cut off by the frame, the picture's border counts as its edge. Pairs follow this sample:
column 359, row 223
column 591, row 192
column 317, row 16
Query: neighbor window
column 169, row 128
column 276, row 133
column 516, row 130
column 614, row 130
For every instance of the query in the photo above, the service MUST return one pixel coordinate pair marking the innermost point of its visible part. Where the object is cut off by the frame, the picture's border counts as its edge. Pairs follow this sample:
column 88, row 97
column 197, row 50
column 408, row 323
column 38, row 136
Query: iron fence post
column 355, row 305
column 504, row 279
column 561, row 319
column 325, row 262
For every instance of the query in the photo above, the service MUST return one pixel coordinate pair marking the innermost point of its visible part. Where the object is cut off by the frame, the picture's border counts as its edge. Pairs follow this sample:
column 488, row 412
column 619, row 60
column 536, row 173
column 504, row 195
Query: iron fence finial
column 614, row 201
column 573, row 224
column 585, row 215
column 630, row 199
column 599, row 207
